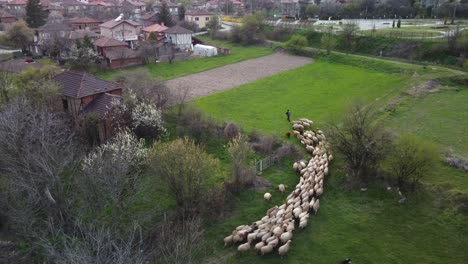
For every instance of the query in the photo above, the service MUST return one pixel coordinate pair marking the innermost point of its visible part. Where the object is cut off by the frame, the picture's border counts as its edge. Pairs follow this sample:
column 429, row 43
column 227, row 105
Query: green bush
column 409, row 161
column 296, row 43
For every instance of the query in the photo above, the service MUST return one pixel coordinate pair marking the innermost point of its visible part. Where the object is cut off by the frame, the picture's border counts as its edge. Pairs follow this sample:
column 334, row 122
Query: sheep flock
column 275, row 229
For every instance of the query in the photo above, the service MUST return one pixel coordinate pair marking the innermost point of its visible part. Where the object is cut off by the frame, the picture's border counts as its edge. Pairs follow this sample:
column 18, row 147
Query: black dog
column 346, row 261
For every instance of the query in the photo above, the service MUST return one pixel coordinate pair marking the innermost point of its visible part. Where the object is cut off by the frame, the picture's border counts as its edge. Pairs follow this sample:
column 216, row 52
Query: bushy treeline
column 373, row 154
column 65, row 198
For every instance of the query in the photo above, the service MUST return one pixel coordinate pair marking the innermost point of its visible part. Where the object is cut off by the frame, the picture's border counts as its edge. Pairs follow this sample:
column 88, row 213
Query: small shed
column 179, row 36
column 204, row 50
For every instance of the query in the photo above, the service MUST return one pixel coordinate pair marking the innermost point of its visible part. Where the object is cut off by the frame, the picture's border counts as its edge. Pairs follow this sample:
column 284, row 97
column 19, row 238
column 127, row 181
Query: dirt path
column 233, row 75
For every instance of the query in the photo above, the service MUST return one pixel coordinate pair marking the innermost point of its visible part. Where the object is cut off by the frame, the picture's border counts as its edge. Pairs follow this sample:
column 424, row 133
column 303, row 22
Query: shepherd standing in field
column 288, row 115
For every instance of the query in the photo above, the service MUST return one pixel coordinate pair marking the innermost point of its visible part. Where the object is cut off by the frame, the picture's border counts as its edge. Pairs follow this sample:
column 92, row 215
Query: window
column 207, row 18
column 196, row 19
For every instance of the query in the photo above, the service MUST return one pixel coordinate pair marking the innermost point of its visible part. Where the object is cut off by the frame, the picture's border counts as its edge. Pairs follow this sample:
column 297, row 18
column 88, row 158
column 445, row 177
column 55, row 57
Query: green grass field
column 167, row 70
column 320, row 91
column 369, row 227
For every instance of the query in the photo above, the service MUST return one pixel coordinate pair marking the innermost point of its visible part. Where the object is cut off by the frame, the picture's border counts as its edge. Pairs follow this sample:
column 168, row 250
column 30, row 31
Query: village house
column 157, row 29
column 149, row 19
column 16, row 8
column 101, row 6
column 290, row 7
column 84, row 94
column 179, row 36
column 123, row 30
column 117, row 54
column 73, row 6
column 85, row 23
column 133, row 7
column 201, row 18
column 6, row 19
column 48, row 33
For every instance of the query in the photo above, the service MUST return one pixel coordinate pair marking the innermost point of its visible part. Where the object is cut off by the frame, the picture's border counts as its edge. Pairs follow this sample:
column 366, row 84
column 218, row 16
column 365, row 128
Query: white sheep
column 281, row 188
column 286, row 236
column 227, row 240
column 274, row 242
column 267, row 196
column 266, row 249
column 244, row 247
column 259, row 245
column 284, row 248
column 316, row 206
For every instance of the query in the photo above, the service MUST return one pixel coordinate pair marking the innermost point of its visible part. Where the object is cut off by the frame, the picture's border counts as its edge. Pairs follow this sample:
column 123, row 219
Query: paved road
column 233, row 75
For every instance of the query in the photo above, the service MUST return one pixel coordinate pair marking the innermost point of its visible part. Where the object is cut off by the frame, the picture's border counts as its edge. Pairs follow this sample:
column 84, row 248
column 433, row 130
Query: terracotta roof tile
column 101, row 105
column 79, row 85
column 109, row 42
column 155, row 28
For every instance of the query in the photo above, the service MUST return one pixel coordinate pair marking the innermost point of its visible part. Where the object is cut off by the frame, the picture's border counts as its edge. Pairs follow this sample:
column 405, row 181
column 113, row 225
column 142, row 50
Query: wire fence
column 263, row 164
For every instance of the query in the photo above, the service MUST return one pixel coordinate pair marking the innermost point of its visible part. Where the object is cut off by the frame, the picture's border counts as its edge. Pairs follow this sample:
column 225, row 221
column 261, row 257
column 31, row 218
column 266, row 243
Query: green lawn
column 369, row 227
column 319, row 91
column 441, row 117
column 180, row 68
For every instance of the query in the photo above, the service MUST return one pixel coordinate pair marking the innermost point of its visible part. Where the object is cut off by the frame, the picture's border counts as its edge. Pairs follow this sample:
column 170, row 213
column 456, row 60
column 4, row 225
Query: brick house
column 123, row 30
column 149, row 19
column 85, row 23
column 84, row 94
column 117, row 53
column 17, row 8
column 157, row 29
column 6, row 19
column 133, row 7
column 48, row 33
column 201, row 18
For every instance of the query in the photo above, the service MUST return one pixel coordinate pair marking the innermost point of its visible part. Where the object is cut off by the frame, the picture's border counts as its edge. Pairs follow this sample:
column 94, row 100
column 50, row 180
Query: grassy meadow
column 369, row 227
column 320, row 90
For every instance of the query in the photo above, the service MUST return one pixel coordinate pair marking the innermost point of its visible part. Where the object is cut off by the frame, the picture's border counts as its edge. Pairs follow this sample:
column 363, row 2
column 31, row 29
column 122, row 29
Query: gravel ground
column 233, row 75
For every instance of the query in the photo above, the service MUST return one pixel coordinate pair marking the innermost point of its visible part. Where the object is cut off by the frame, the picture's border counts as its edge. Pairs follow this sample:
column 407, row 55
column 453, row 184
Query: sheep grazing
column 276, row 228
column 227, row 240
column 259, row 245
column 316, row 206
column 266, row 249
column 286, row 236
column 284, row 248
column 281, row 188
column 244, row 247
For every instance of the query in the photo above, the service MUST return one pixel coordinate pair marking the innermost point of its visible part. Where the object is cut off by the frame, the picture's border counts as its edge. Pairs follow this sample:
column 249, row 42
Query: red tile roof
column 155, row 28
column 101, row 105
column 17, row 2
column 135, row 3
column 79, row 85
column 100, row 3
column 112, row 23
column 109, row 42
column 5, row 14
column 84, row 20
column 177, row 30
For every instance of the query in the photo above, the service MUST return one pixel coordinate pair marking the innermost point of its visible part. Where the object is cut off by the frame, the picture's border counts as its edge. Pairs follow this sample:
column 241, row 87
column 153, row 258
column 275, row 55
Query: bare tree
column 96, row 243
column 178, row 240
column 146, row 87
column 362, row 143
column 38, row 153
